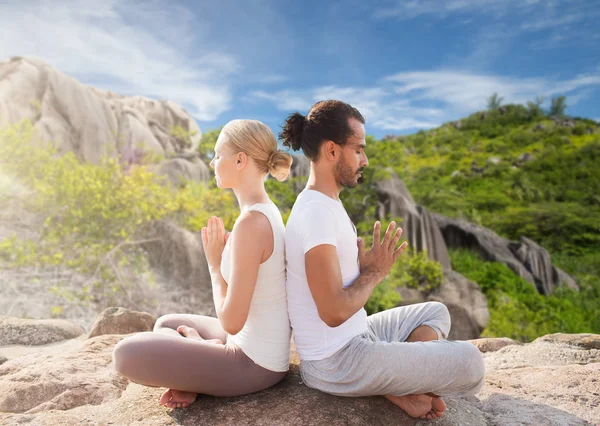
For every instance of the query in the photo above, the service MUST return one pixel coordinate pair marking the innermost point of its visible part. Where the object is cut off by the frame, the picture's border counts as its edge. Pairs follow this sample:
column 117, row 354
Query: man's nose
column 365, row 161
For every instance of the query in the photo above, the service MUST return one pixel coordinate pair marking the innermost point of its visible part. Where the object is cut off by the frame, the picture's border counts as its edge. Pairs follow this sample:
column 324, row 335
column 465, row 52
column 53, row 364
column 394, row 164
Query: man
column 401, row 353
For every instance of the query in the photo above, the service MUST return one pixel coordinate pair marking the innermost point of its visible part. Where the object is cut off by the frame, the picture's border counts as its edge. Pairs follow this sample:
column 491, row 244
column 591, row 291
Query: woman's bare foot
column 177, row 399
column 192, row 333
column 420, row 406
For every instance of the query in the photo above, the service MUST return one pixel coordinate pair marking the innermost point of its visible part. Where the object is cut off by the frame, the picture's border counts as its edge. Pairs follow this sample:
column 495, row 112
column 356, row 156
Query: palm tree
column 494, row 101
column 558, row 106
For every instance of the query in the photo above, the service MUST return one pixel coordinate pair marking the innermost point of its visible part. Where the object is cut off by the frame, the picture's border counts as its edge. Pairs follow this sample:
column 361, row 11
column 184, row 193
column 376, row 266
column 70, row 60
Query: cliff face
column 90, row 122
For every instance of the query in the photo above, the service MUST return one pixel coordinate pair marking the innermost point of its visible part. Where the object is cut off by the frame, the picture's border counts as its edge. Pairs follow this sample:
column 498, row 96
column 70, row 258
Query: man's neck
column 320, row 180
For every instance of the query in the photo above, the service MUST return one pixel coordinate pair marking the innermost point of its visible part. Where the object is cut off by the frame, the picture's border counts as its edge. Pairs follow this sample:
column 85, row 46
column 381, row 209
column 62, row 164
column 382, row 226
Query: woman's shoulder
column 251, row 225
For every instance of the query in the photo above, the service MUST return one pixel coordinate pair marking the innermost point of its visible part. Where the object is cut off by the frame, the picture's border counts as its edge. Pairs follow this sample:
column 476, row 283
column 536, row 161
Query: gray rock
column 3, row 359
column 300, row 166
column 493, row 161
column 464, row 299
column 525, row 258
column 121, row 321
column 177, row 256
column 539, row 383
column 18, row 331
column 419, row 228
column 493, row 344
column 524, row 158
column 467, row 305
column 91, row 123
column 180, row 170
column 583, row 340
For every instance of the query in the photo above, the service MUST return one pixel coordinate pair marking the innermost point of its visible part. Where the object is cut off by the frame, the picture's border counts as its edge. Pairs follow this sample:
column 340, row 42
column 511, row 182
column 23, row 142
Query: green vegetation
column 518, row 311
column 94, row 215
column 519, row 173
column 518, row 170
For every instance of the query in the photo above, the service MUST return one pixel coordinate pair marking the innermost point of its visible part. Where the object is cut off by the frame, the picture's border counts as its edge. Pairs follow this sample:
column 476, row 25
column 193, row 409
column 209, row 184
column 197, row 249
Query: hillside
column 520, row 173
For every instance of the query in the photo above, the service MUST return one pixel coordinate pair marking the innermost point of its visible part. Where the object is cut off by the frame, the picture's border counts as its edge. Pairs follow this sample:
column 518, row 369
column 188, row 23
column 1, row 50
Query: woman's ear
column 241, row 160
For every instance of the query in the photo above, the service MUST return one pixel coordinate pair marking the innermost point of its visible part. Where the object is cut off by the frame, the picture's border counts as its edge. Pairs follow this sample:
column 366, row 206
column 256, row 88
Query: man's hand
column 380, row 258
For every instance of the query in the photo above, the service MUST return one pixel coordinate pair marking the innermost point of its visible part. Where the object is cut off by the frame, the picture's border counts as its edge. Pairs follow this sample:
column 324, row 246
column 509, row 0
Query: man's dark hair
column 326, row 121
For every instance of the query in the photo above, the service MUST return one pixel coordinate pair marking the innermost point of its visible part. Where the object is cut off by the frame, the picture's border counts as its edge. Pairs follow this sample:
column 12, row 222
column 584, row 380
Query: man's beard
column 346, row 176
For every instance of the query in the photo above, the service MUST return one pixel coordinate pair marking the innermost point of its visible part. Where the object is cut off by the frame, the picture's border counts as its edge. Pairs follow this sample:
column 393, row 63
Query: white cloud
column 425, row 99
column 566, row 21
column 130, row 46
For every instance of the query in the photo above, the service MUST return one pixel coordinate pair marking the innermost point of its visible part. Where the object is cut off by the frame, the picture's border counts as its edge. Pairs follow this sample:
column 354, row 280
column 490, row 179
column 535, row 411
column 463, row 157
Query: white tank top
column 265, row 338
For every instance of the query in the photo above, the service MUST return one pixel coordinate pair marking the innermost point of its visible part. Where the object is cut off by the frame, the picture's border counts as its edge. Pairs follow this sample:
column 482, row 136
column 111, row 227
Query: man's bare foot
column 177, row 399
column 192, row 333
column 420, row 406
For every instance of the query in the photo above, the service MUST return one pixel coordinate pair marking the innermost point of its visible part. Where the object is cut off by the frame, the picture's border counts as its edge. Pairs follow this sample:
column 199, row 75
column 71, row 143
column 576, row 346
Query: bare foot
column 192, row 333
column 177, row 399
column 420, row 406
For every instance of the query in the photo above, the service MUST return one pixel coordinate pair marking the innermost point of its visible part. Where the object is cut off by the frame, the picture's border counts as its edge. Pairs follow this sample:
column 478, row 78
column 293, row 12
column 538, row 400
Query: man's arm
column 336, row 303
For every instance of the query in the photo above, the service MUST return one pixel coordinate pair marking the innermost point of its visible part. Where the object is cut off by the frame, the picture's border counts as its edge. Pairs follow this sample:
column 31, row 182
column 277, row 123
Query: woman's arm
column 252, row 239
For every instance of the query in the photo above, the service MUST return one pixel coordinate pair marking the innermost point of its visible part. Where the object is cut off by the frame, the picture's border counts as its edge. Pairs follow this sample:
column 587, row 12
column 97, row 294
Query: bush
column 518, row 311
column 95, row 214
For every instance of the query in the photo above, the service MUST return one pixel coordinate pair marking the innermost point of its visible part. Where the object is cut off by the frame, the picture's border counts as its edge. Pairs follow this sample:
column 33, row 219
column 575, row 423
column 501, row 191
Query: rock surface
column 121, row 321
column 18, row 331
column 552, row 381
column 88, row 121
column 525, row 258
column 420, row 230
column 489, row 344
column 465, row 301
column 94, row 123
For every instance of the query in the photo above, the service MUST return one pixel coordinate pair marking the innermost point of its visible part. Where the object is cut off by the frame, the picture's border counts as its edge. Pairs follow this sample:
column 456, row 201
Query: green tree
column 494, row 101
column 206, row 147
column 558, row 106
column 535, row 108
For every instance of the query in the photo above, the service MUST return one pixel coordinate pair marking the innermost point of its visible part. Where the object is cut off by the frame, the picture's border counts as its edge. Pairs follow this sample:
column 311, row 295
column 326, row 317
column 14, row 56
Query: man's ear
column 330, row 150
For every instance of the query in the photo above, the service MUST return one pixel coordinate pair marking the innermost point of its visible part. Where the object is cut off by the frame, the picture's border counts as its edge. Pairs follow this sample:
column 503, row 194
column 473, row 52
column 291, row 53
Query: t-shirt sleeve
column 317, row 227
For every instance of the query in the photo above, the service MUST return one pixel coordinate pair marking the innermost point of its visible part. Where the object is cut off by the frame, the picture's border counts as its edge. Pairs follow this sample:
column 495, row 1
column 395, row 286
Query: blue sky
column 407, row 65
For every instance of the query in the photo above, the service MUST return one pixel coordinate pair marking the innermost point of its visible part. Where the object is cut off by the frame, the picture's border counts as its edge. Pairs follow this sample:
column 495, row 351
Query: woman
column 246, row 348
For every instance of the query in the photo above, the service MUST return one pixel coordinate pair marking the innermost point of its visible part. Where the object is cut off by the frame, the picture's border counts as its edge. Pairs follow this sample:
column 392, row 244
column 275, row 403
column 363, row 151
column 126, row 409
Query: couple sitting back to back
column 314, row 273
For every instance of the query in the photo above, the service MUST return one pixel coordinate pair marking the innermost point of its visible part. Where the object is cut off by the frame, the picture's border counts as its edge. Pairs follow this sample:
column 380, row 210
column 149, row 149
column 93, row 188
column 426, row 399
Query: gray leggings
column 381, row 362
column 164, row 358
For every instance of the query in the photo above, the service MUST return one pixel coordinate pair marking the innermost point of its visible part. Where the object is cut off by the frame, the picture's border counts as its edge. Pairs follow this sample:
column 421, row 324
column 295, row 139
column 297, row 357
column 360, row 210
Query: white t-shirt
column 317, row 219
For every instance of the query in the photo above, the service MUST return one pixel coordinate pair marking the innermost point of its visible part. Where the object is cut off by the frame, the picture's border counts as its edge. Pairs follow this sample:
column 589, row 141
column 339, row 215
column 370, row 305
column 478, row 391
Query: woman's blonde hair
column 258, row 142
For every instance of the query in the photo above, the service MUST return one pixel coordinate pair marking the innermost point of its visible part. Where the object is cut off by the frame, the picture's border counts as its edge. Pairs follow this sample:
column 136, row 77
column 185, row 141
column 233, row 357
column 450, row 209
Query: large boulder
column 177, row 256
column 545, row 382
column 464, row 299
column 525, row 258
column 180, row 170
column 420, row 229
column 90, row 122
column 39, row 382
column 121, row 321
column 18, row 331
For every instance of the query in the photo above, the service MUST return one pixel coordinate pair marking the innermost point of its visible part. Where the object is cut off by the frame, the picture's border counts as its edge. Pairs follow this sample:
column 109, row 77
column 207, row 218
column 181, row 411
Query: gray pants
column 164, row 358
column 381, row 362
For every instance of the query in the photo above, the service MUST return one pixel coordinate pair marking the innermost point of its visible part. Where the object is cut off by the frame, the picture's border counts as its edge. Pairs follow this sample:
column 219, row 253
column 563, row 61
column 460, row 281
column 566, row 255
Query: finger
column 361, row 248
column 227, row 235
column 396, row 238
column 204, row 233
column 377, row 234
column 221, row 228
column 400, row 250
column 388, row 234
column 211, row 228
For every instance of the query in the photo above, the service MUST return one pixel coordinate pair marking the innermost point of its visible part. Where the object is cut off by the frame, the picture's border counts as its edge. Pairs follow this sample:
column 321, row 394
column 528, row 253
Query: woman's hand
column 213, row 241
